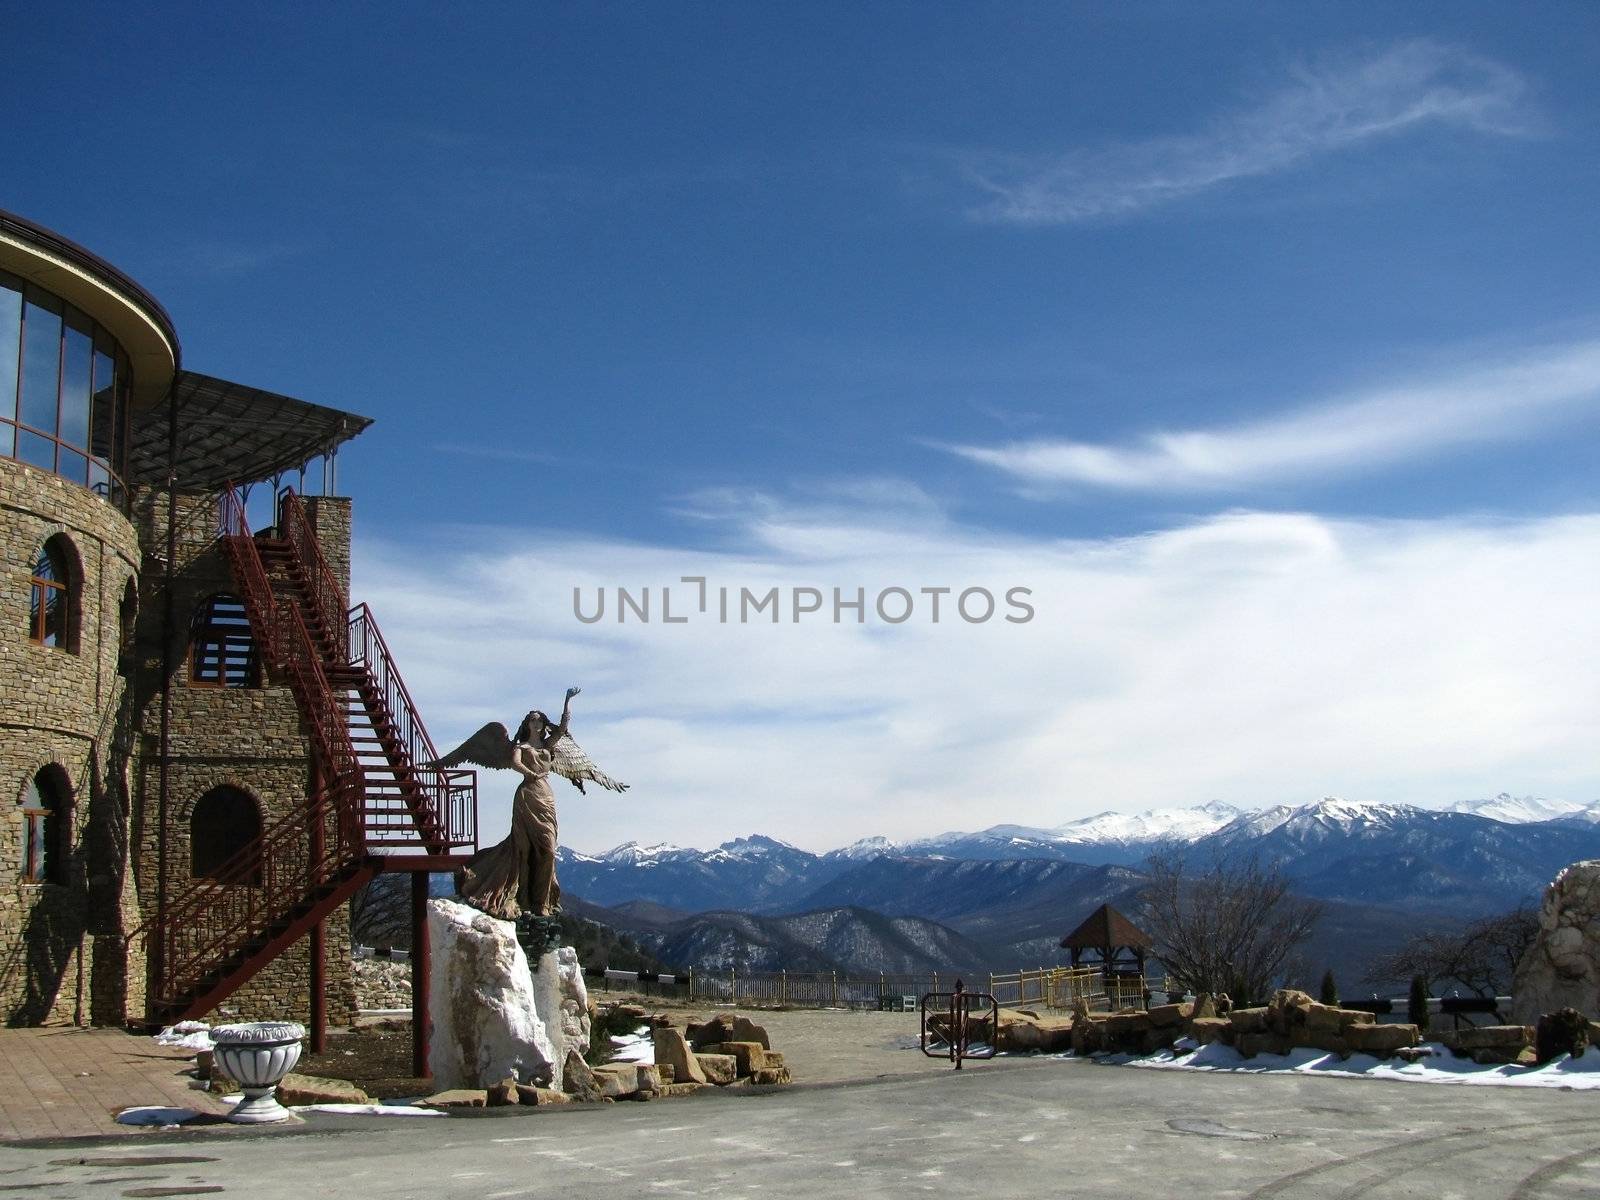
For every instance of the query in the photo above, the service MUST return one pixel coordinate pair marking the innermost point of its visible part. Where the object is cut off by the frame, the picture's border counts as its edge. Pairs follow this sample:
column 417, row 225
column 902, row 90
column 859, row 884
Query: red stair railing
column 443, row 803
column 324, row 843
column 328, row 600
column 318, row 843
column 451, row 795
column 250, row 575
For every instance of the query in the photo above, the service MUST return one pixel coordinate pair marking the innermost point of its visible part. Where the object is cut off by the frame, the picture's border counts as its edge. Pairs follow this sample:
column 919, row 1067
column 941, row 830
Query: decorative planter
column 258, row 1055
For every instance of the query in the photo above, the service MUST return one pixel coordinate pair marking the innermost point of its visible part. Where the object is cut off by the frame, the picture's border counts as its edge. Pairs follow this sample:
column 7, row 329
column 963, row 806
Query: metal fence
column 1062, row 988
column 1048, row 987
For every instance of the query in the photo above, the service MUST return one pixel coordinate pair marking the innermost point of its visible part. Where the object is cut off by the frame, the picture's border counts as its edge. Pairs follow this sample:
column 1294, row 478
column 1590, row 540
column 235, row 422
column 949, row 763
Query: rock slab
column 672, row 1052
column 574, row 1001
column 493, row 1018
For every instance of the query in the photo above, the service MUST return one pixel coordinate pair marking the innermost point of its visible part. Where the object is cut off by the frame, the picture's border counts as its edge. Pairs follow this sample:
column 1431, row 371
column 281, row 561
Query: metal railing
column 219, row 921
column 448, row 797
column 328, row 600
column 218, row 918
column 1063, row 987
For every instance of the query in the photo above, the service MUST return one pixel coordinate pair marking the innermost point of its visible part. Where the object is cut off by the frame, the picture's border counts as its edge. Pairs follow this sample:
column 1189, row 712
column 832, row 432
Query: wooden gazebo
column 1110, row 941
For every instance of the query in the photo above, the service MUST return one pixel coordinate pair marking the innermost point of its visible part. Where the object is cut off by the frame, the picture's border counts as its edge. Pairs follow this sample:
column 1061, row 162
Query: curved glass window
column 63, row 390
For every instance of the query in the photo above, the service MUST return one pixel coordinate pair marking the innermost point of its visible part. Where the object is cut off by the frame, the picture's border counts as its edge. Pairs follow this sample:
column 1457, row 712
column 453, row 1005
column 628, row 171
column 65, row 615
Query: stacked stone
column 382, row 983
column 67, row 707
column 1291, row 1019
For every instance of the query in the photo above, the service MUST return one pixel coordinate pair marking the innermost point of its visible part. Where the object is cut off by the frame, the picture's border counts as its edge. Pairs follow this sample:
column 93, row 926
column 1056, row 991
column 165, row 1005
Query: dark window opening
column 224, row 837
column 47, row 827
column 127, row 617
column 222, row 652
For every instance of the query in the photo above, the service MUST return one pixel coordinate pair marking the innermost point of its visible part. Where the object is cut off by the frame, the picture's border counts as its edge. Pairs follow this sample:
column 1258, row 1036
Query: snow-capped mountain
column 1108, row 837
column 1152, row 825
column 753, row 874
column 866, row 848
column 1404, row 856
column 1521, row 810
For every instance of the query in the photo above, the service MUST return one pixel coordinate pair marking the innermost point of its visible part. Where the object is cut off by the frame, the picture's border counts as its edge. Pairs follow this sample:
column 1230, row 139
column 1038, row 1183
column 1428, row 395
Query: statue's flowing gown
column 518, row 875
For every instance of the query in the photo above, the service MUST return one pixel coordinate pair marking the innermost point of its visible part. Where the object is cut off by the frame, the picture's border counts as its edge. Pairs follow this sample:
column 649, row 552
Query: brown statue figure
column 518, row 875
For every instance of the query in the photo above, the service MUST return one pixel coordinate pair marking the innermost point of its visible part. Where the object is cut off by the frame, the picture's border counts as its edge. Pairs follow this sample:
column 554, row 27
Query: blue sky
column 1261, row 341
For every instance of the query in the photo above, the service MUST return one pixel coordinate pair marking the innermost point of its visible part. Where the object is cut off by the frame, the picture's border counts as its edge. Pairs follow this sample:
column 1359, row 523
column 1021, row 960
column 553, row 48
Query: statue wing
column 569, row 761
column 490, row 747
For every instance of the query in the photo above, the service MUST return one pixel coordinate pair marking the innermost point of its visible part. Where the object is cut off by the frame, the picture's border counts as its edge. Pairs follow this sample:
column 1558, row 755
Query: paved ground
column 833, row 1046
column 64, row 1082
column 1044, row 1128
column 870, row 1118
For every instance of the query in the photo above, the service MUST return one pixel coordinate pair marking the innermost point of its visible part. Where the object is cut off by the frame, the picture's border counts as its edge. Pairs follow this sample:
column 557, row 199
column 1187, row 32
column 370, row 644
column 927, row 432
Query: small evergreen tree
column 1330, row 989
column 1417, row 1004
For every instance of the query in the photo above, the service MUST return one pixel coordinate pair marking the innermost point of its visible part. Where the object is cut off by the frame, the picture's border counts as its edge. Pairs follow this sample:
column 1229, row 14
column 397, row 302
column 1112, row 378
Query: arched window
column 222, row 650
column 47, row 827
column 51, row 598
column 226, row 822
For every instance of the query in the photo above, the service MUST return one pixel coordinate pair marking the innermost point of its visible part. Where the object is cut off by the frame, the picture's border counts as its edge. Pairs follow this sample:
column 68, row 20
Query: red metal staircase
column 371, row 806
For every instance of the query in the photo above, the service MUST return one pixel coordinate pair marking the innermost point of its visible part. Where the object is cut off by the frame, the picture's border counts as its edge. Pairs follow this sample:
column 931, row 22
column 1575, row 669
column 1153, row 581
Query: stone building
column 204, row 750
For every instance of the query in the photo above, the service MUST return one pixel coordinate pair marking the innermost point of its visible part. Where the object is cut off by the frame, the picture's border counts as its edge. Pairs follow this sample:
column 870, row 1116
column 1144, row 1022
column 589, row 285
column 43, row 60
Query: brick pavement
column 71, row 1082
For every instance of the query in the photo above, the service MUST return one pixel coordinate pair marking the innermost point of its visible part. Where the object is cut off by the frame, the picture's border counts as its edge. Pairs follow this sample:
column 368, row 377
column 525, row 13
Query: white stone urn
column 258, row 1055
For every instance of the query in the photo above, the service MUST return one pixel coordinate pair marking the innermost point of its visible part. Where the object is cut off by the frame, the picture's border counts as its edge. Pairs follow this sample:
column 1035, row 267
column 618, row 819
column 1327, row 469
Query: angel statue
column 517, row 877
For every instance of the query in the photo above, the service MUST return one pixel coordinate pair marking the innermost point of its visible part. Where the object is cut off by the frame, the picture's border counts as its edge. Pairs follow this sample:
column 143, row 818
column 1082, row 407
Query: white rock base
column 493, row 1018
column 574, row 1002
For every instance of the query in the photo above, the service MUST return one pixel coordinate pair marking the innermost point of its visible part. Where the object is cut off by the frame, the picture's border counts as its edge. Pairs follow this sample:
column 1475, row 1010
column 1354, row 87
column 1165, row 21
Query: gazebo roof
column 231, row 433
column 1106, row 927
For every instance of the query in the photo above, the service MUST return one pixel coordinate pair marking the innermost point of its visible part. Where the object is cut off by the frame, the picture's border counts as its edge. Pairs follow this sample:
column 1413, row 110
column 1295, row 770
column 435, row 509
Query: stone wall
column 94, row 709
column 61, row 944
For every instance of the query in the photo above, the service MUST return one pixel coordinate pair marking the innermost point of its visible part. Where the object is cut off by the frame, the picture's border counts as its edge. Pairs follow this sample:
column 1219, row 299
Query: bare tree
column 1481, row 958
column 1225, row 924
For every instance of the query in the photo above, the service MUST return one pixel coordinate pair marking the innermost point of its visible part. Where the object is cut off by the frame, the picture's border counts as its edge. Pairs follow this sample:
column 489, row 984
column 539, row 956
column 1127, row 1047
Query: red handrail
column 328, row 598
column 335, row 829
column 249, row 573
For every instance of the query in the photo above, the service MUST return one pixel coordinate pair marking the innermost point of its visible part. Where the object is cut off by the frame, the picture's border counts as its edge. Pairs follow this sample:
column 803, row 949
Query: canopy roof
column 230, row 433
column 1106, row 928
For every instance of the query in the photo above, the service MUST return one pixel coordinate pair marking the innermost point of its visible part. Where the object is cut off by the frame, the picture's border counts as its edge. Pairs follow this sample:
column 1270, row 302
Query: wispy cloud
column 1256, row 657
column 1321, row 109
column 220, row 257
column 1484, row 403
column 500, row 453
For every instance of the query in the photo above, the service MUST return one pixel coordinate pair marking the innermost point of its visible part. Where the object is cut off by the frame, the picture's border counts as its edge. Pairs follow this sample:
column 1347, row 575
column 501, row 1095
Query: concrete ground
column 869, row 1115
column 1041, row 1128
column 871, row 1119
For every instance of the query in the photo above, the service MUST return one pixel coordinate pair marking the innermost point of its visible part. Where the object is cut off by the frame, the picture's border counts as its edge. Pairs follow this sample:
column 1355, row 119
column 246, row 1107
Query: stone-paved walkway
column 70, row 1082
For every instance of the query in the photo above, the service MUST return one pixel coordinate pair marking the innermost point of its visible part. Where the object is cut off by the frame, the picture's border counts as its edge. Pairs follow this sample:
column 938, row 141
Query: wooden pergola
column 1111, row 941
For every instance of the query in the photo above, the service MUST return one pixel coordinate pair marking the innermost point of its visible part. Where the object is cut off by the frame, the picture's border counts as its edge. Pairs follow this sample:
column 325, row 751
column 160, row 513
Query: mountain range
column 1002, row 897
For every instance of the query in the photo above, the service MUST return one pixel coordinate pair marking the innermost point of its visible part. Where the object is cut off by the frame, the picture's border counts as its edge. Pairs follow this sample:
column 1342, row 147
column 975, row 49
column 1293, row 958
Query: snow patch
column 369, row 1110
column 1581, row 1074
column 185, row 1035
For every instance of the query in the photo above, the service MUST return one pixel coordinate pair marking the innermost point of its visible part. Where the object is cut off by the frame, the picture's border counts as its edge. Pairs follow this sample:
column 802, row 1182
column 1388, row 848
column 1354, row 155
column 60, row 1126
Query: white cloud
column 1254, row 657
column 1477, row 404
column 1321, row 110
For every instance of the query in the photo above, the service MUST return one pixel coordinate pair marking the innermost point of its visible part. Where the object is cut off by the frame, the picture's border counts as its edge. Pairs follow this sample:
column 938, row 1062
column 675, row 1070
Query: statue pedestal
column 493, row 1017
column 539, row 938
